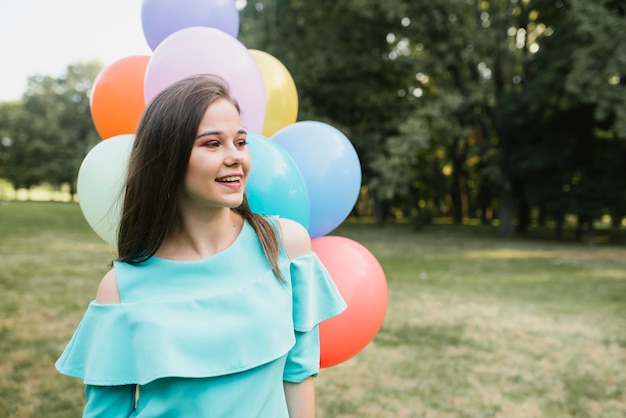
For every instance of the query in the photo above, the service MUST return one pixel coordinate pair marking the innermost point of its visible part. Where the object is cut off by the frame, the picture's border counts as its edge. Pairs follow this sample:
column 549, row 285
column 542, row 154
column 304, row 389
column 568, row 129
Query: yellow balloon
column 280, row 91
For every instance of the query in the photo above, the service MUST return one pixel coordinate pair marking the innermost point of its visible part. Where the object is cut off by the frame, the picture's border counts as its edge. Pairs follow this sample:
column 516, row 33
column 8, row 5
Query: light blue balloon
column 331, row 170
column 275, row 185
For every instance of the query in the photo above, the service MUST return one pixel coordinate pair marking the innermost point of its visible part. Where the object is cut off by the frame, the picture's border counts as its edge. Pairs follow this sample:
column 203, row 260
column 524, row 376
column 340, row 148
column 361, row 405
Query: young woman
column 210, row 310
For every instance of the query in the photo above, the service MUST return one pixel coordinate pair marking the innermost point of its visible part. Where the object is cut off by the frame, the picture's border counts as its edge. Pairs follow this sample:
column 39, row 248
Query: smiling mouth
column 229, row 179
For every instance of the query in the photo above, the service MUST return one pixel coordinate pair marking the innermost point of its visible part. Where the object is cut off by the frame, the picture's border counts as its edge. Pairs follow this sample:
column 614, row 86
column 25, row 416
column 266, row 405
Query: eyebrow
column 219, row 133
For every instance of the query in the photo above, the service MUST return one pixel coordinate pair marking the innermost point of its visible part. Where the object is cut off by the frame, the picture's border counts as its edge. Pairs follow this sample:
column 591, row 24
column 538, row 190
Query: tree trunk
column 558, row 230
column 484, row 199
column 380, row 211
column 580, row 224
column 457, row 157
column 541, row 216
column 523, row 213
column 507, row 210
column 591, row 233
column 455, row 196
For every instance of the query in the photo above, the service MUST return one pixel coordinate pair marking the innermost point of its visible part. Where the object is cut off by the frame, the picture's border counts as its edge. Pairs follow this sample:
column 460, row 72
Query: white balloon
column 100, row 185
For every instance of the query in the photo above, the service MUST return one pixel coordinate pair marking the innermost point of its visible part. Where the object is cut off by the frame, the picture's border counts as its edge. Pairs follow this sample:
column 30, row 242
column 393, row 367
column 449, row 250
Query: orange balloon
column 117, row 99
column 361, row 281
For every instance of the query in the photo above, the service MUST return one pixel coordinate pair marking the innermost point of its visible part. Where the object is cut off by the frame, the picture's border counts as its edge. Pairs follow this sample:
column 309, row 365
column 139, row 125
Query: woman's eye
column 212, row 144
column 242, row 143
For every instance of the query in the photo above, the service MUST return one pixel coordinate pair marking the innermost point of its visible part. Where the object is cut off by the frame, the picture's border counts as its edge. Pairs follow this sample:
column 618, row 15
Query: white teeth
column 230, row 178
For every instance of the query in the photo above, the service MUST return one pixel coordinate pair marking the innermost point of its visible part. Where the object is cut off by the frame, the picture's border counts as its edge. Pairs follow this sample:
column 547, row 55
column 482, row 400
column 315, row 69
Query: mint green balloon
column 100, row 182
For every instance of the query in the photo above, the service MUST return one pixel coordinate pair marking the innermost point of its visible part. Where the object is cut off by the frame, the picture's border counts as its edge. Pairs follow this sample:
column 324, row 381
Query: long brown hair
column 158, row 164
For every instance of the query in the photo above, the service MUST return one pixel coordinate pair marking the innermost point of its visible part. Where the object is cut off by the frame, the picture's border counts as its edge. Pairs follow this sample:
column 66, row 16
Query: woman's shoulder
column 108, row 291
column 295, row 238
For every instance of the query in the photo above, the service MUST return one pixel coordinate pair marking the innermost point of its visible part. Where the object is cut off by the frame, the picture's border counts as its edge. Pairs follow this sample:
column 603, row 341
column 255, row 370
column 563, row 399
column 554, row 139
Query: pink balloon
column 361, row 281
column 204, row 50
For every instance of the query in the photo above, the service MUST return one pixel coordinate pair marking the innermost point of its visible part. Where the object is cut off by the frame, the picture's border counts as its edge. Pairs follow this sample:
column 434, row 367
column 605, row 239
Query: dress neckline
column 229, row 248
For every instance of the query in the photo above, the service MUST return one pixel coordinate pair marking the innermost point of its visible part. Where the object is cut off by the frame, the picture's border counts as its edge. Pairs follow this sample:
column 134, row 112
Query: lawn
column 477, row 326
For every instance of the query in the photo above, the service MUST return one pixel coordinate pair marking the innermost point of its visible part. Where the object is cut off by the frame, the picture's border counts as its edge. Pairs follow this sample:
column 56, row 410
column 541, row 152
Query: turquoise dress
column 205, row 338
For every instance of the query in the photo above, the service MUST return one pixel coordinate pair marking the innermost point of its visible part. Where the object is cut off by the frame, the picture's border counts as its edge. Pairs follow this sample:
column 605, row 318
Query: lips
column 229, row 179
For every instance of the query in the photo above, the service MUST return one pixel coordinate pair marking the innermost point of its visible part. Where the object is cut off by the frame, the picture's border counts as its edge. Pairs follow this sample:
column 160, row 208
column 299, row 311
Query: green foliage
column 51, row 130
column 599, row 61
column 565, row 143
column 340, row 58
column 487, row 106
column 9, row 119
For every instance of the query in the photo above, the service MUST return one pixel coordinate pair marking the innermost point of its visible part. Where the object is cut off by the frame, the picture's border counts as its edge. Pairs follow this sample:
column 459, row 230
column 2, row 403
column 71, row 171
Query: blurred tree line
column 45, row 136
column 512, row 110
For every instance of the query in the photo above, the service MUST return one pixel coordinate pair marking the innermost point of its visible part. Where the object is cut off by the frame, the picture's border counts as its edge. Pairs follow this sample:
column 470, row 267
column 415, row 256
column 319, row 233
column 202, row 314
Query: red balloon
column 117, row 100
column 361, row 281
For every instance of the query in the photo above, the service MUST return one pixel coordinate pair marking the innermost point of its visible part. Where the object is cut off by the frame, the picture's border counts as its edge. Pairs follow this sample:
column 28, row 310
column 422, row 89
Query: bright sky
column 44, row 36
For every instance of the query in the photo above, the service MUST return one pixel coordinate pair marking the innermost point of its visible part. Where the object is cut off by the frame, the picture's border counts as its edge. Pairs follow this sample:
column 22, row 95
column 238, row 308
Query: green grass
column 476, row 326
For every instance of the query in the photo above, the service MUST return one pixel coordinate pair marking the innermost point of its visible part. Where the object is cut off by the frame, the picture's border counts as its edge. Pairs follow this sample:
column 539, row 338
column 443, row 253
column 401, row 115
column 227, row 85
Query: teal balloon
column 275, row 185
column 331, row 170
column 99, row 185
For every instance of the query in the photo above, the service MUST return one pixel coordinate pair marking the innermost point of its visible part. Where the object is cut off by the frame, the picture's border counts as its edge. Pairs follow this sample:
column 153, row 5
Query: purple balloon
column 161, row 18
column 202, row 50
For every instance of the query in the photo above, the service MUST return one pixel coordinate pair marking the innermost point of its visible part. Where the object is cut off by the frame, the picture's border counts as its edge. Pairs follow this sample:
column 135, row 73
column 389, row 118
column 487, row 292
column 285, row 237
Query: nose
column 234, row 155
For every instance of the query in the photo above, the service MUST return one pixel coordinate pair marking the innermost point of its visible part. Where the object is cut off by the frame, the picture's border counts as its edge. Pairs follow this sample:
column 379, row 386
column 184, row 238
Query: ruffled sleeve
column 315, row 296
column 109, row 401
column 130, row 343
column 315, row 299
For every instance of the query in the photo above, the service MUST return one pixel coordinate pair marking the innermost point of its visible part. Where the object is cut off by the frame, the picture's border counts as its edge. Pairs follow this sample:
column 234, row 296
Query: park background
column 492, row 140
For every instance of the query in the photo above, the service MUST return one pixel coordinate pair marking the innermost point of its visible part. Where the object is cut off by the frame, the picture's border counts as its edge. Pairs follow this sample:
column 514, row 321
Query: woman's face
column 220, row 161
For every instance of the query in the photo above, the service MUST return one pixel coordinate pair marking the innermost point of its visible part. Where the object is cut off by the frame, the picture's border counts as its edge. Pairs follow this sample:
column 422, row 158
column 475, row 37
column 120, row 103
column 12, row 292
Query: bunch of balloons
column 308, row 171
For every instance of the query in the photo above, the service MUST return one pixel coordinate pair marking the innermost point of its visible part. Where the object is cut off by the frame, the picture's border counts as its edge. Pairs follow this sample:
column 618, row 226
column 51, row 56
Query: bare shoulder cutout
column 295, row 237
column 108, row 292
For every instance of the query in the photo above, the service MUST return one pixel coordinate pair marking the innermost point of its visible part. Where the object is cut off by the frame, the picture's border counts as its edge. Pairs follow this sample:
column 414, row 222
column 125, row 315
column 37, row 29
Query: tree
column 504, row 85
column 347, row 70
column 566, row 121
column 463, row 66
column 52, row 129
column 597, row 75
column 10, row 116
column 473, row 106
